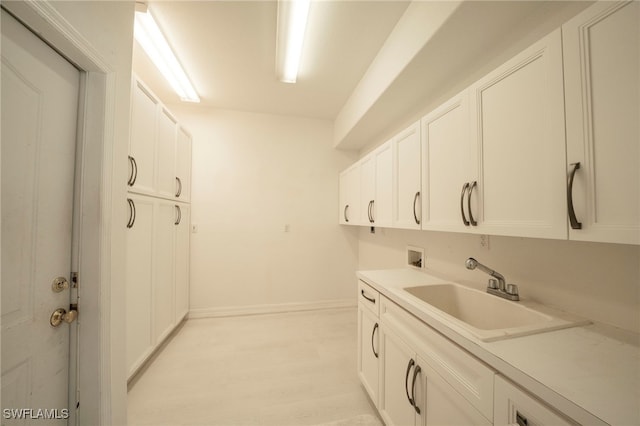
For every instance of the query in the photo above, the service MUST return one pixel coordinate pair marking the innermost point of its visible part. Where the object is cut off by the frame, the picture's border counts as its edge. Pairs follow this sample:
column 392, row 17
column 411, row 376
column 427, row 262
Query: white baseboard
column 270, row 309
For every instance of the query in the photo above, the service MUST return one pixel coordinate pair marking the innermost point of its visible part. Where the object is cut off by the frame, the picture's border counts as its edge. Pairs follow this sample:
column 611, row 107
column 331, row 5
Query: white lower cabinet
column 399, row 362
column 427, row 380
column 368, row 351
column 368, row 339
column 139, row 279
column 163, row 318
column 182, row 260
column 157, row 270
column 513, row 406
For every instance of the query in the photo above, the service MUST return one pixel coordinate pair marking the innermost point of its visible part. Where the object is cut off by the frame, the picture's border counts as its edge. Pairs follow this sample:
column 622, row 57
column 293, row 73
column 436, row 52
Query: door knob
column 60, row 315
column 59, row 284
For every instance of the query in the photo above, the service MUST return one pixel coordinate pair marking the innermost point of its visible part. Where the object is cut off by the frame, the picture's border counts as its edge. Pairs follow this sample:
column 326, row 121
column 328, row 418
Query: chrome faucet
column 497, row 285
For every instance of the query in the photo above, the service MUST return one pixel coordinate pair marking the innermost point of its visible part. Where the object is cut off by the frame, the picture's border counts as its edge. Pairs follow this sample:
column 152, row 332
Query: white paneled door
column 39, row 119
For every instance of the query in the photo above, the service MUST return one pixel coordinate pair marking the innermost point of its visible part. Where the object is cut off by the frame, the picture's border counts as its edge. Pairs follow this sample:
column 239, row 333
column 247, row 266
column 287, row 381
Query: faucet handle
column 493, row 283
column 512, row 289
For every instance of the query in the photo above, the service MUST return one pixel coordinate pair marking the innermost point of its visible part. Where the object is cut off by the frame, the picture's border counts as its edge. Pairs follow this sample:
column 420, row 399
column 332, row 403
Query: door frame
column 100, row 368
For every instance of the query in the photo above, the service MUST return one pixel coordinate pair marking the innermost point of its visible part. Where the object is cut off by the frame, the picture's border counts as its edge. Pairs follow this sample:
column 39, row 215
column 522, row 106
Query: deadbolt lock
column 60, row 315
column 59, row 284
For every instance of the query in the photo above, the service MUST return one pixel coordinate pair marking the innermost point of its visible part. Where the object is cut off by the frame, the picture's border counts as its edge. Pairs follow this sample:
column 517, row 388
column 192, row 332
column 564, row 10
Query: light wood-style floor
column 282, row 369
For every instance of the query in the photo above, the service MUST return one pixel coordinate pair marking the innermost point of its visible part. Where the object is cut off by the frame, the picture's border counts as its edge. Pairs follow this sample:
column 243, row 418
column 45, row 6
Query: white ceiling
column 228, row 50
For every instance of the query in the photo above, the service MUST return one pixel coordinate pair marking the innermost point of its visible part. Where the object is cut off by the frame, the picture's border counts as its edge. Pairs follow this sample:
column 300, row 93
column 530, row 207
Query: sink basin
column 489, row 317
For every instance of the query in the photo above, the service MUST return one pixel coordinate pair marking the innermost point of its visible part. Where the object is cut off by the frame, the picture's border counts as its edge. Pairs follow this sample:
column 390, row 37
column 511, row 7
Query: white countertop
column 591, row 373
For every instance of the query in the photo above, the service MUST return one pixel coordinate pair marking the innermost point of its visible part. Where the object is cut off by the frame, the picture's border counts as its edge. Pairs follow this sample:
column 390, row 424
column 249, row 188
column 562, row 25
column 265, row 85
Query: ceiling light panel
column 150, row 37
column 292, row 25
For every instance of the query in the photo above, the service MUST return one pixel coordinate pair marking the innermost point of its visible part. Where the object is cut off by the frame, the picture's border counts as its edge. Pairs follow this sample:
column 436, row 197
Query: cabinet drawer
column 513, row 406
column 369, row 298
column 466, row 374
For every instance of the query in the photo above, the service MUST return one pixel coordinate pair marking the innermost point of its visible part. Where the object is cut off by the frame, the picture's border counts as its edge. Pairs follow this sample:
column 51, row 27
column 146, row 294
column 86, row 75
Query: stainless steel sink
column 486, row 316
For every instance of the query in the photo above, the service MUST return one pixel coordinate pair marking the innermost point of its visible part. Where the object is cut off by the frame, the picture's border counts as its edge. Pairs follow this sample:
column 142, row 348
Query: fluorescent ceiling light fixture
column 292, row 23
column 149, row 36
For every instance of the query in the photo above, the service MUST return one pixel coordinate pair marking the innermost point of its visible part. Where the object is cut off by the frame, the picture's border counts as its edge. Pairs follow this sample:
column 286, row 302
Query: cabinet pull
column 346, row 219
column 416, row 371
column 572, row 213
column 370, row 211
column 520, row 419
column 132, row 213
column 415, row 215
column 406, row 380
column 366, row 297
column 178, row 215
column 134, row 171
column 471, row 219
column 179, row 189
column 373, row 333
column 464, row 217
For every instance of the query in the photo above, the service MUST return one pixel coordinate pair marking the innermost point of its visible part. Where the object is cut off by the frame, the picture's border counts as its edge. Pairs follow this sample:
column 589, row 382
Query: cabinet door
column 520, row 140
column 367, row 189
column 447, row 166
column 398, row 365
column 163, row 281
column 515, row 407
column 601, row 64
column 139, row 277
column 406, row 182
column 368, row 352
column 143, row 140
column 382, row 209
column 350, row 196
column 443, row 405
column 183, row 166
column 182, row 250
column 166, row 154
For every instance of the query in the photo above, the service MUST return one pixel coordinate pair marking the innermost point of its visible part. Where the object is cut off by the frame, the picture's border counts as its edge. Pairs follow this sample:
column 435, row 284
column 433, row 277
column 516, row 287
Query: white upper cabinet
column 142, row 147
column 166, row 151
column 446, row 166
column 383, row 207
column 159, row 149
column 518, row 126
column 367, row 189
column 377, row 178
column 406, row 178
column 602, row 90
column 350, row 196
column 183, row 166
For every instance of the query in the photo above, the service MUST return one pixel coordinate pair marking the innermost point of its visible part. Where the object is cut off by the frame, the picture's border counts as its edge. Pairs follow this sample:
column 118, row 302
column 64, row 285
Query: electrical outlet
column 484, row 242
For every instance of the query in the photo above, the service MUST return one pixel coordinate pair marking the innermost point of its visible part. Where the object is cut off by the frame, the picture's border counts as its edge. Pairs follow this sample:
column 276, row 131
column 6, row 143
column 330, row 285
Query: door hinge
column 74, row 280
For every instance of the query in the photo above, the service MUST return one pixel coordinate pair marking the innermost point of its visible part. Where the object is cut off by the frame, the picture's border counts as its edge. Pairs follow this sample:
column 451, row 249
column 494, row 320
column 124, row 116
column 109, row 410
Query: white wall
column 253, row 175
column 594, row 280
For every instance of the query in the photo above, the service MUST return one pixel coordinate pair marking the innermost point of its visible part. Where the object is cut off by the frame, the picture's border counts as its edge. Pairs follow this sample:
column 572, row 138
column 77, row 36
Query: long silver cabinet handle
column 179, row 190
column 178, row 215
column 134, row 171
column 406, row 380
column 416, row 371
column 464, row 217
column 132, row 213
column 573, row 220
column 346, row 207
column 471, row 219
column 415, row 215
column 373, row 333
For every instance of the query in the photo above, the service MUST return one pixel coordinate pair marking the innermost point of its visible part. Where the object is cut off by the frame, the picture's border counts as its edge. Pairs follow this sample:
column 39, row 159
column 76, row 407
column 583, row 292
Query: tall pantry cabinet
column 158, row 227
